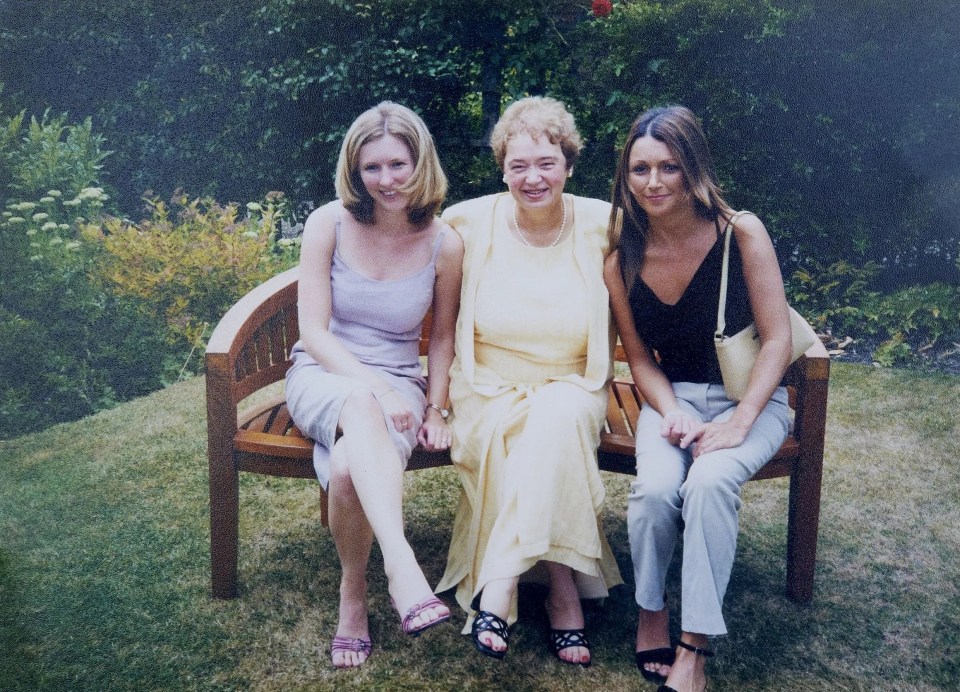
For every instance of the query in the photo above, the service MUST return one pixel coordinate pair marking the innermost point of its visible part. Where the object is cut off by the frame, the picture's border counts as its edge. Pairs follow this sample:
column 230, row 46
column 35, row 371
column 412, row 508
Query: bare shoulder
column 748, row 225
column 611, row 264
column 451, row 247
column 322, row 220
column 326, row 214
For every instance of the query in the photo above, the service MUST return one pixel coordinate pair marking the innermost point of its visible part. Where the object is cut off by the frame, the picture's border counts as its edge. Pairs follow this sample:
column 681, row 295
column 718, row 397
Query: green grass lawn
column 104, row 566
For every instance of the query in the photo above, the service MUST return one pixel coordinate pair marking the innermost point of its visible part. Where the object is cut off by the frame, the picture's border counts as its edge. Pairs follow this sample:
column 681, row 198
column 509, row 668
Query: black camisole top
column 681, row 335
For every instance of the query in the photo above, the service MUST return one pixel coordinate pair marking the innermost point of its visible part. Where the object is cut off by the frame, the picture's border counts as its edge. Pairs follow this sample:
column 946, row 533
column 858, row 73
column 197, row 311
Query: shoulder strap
column 722, row 306
column 437, row 242
column 337, row 224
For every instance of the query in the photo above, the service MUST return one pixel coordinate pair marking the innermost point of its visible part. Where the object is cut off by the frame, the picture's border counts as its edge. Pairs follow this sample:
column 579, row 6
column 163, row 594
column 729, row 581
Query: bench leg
column 224, row 528
column 802, row 527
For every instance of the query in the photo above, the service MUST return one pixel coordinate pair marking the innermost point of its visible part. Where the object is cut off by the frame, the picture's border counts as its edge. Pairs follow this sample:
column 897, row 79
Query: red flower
column 601, row 8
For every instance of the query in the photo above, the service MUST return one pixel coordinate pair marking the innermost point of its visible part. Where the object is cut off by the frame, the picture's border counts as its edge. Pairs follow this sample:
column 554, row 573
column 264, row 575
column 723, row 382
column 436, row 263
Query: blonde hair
column 538, row 116
column 427, row 186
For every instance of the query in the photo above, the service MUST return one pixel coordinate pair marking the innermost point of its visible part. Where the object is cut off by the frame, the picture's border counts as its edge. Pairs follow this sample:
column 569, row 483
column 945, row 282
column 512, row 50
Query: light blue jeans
column 705, row 494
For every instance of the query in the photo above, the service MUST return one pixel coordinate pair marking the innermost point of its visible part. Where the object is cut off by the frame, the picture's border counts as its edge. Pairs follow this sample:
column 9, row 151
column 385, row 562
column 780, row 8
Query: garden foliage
column 834, row 121
column 95, row 309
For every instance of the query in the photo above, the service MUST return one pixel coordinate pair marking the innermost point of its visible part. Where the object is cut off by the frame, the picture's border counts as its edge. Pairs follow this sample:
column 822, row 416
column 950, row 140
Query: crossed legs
column 366, row 493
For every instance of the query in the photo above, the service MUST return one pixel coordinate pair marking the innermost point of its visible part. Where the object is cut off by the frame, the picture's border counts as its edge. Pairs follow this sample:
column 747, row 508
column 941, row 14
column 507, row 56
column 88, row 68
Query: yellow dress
column 528, row 393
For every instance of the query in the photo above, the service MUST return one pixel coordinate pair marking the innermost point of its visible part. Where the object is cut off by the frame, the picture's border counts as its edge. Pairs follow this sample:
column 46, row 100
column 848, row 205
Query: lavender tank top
column 380, row 321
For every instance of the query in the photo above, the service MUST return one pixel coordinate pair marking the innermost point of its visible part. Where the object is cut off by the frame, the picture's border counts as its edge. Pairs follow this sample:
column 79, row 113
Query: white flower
column 54, row 193
column 17, row 219
column 249, row 234
column 72, row 245
column 64, row 227
column 26, row 206
column 47, row 200
column 49, row 226
column 56, row 240
column 75, row 202
column 40, row 217
column 253, row 206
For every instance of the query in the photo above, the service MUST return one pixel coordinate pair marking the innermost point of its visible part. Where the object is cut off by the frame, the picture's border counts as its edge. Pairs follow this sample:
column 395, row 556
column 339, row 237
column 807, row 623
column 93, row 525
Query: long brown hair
column 679, row 129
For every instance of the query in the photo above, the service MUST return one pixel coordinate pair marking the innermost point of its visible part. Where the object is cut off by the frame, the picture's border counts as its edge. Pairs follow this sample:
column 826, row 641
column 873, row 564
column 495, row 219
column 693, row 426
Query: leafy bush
column 191, row 260
column 832, row 297
column 926, row 315
column 837, row 299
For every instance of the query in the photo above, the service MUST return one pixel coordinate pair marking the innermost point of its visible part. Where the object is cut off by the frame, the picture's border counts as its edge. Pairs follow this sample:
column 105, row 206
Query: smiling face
column 385, row 165
column 535, row 171
column 656, row 178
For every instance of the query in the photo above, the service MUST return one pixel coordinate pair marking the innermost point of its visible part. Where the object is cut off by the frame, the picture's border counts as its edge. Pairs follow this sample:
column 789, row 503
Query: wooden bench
column 250, row 348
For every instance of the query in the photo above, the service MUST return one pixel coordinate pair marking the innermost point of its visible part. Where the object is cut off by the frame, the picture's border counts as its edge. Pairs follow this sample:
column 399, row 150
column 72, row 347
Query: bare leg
column 353, row 538
column 653, row 632
column 563, row 609
column 377, row 476
column 688, row 673
column 497, row 596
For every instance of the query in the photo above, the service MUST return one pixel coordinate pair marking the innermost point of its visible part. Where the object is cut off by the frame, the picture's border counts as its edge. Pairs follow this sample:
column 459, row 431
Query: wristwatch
column 444, row 413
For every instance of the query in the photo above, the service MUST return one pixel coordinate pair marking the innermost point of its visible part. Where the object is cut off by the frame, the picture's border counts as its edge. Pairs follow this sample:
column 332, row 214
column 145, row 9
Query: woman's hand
column 434, row 434
column 677, row 424
column 396, row 408
column 710, row 437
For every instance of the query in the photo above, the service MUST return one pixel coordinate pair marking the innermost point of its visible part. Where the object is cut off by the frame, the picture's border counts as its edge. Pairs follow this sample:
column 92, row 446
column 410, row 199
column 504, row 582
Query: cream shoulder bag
column 738, row 353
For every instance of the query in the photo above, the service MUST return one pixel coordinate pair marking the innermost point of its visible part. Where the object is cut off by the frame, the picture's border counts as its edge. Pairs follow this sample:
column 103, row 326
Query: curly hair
column 537, row 116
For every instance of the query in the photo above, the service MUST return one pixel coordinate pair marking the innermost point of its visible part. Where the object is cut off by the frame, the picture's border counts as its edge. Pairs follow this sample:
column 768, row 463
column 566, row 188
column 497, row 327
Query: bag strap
column 722, row 307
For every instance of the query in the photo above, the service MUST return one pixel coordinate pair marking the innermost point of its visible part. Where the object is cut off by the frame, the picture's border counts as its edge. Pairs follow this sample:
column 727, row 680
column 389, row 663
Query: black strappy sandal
column 665, row 655
column 706, row 653
column 566, row 639
column 485, row 621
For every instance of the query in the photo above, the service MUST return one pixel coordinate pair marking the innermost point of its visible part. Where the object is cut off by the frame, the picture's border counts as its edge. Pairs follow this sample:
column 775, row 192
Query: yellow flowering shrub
column 192, row 259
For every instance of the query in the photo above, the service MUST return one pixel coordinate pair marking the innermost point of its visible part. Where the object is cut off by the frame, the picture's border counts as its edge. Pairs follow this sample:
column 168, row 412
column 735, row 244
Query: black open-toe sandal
column 664, row 656
column 706, row 653
column 565, row 639
column 485, row 621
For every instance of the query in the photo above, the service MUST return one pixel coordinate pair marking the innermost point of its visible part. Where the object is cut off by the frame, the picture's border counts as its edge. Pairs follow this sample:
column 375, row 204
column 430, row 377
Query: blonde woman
column 372, row 263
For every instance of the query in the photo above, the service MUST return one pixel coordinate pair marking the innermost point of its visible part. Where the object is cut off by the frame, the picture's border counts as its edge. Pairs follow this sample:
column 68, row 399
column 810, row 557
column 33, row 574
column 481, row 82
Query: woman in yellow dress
column 528, row 388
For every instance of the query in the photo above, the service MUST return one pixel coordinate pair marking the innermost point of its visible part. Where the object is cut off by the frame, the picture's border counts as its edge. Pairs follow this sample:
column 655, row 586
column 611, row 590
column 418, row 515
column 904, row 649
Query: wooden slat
column 286, row 446
column 278, row 352
column 630, row 401
column 616, row 423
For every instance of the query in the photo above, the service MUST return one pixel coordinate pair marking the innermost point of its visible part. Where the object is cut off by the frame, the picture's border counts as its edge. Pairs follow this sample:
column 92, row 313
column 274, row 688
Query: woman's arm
column 647, row 375
column 446, row 304
column 768, row 303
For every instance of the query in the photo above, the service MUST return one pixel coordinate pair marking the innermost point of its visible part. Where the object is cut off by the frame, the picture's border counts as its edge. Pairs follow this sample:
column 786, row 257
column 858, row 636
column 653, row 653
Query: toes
column 575, row 654
column 425, row 617
column 493, row 641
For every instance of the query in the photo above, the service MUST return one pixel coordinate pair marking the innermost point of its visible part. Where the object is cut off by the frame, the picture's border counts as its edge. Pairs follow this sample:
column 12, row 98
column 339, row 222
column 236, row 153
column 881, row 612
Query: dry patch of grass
column 104, row 566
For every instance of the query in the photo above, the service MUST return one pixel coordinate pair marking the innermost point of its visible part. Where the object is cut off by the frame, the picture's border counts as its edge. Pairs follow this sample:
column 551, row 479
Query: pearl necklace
column 563, row 223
